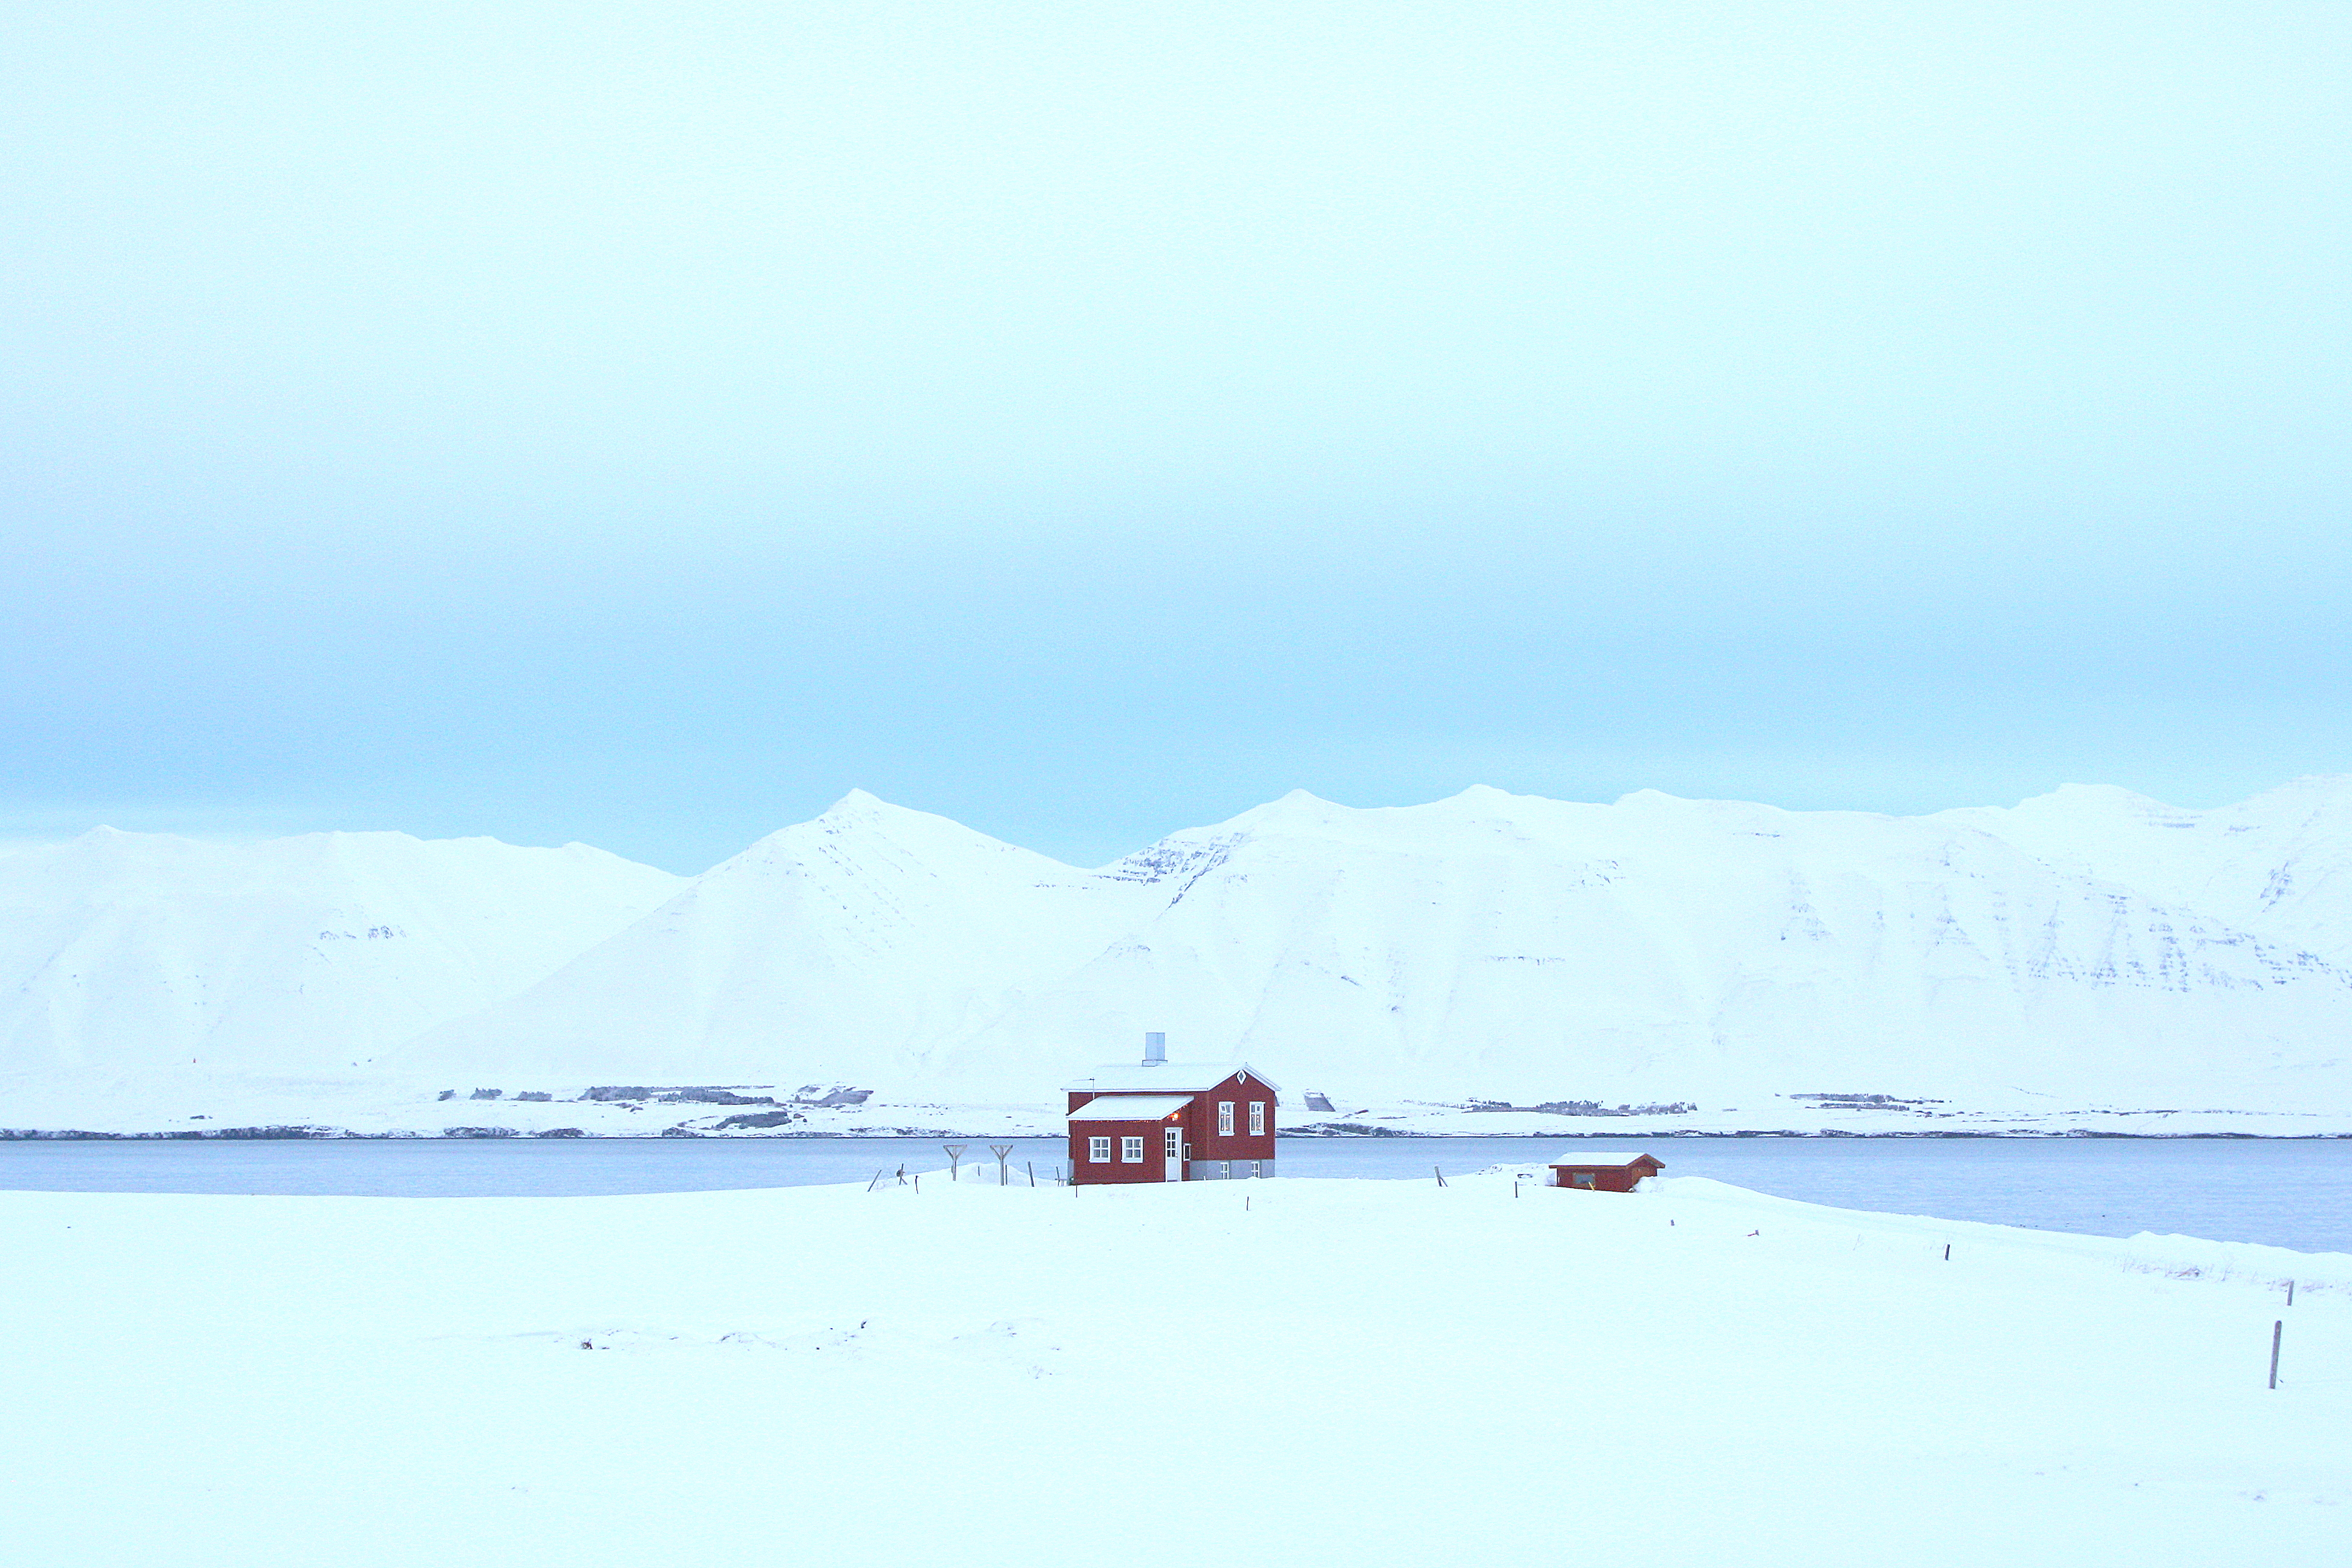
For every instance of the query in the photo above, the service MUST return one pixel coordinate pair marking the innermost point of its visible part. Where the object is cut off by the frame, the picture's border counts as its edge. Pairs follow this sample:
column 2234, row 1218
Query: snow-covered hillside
column 868, row 943
column 2279, row 865
column 127, row 958
column 1488, row 946
column 2089, row 959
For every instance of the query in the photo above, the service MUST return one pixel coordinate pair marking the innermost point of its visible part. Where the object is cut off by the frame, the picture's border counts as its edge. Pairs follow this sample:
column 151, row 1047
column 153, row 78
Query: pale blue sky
column 643, row 424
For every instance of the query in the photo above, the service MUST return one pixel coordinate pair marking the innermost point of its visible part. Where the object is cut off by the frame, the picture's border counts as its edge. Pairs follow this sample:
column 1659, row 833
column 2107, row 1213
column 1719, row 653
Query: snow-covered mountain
column 2087, row 951
column 868, row 942
column 129, row 956
column 2279, row 865
column 1496, row 946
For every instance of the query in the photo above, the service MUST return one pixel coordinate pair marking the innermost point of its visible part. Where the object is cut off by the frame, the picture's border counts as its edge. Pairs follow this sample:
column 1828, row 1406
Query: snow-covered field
column 1280, row 1372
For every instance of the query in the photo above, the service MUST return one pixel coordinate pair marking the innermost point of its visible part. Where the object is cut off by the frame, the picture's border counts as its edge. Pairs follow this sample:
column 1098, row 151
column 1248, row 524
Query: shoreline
column 299, row 1134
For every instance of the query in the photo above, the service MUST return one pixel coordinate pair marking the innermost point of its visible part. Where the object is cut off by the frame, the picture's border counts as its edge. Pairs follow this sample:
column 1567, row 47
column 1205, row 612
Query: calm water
column 2294, row 1193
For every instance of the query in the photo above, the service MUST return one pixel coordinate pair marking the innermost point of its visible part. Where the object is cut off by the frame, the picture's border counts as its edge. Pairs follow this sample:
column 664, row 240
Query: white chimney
column 1155, row 1051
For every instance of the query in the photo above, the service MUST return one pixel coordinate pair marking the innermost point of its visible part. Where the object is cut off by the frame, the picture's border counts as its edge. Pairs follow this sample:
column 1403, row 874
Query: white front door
column 1173, row 1138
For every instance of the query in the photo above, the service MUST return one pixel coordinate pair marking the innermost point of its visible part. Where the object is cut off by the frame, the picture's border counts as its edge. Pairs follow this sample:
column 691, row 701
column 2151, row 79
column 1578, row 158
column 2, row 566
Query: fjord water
column 2292, row 1193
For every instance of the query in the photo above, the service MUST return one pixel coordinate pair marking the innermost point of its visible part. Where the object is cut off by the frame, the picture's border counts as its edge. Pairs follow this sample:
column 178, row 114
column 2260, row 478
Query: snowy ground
column 1281, row 1373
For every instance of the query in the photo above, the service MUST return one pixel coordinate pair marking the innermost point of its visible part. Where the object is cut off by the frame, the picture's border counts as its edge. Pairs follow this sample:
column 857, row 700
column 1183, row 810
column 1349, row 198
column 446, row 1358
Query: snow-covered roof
column 1129, row 1107
column 1131, row 1078
column 1612, row 1158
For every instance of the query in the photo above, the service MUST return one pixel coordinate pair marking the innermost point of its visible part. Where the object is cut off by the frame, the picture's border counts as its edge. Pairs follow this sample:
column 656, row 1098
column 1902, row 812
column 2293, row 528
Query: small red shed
column 1160, row 1120
column 1611, row 1173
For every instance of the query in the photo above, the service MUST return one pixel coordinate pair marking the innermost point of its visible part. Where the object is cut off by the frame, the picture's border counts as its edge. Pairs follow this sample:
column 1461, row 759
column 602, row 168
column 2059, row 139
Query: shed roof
column 1130, row 1107
column 1611, row 1161
column 1187, row 1077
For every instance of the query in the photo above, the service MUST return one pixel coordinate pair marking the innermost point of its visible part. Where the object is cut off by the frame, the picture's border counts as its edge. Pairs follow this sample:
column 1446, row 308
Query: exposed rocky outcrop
column 759, row 1118
column 1576, row 1108
column 837, row 1096
column 692, row 1094
column 196, row 1133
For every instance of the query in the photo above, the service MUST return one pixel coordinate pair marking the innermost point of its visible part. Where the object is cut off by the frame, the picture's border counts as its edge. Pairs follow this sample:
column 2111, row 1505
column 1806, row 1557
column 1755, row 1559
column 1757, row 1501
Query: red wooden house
column 1160, row 1120
column 1605, row 1173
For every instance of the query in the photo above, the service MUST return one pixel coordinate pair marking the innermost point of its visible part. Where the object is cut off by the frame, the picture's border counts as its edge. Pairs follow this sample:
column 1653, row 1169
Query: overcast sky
column 641, row 424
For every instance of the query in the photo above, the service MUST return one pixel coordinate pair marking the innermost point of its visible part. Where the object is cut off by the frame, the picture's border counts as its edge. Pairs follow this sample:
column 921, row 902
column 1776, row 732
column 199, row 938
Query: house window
column 1257, row 1118
column 1130, row 1151
column 1257, row 1169
column 1225, row 1118
column 1581, row 1178
column 1225, row 1170
column 1099, row 1150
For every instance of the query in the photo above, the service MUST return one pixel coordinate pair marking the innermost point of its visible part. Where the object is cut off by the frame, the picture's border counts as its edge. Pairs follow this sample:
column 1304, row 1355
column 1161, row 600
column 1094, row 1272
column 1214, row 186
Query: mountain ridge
column 1928, row 946
column 2087, row 947
column 122, row 953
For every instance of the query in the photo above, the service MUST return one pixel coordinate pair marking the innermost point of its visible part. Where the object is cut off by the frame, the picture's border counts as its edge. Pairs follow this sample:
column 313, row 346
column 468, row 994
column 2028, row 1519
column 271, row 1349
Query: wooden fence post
column 2276, row 1328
